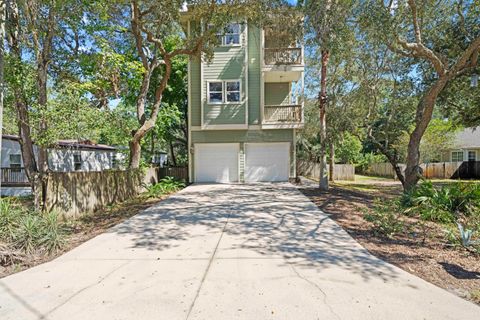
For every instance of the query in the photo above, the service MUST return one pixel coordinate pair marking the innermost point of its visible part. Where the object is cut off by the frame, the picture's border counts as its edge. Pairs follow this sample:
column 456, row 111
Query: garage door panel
column 216, row 162
column 267, row 162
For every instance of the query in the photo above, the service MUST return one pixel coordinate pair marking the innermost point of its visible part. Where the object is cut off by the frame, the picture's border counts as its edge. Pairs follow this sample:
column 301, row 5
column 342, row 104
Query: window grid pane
column 233, row 91
column 457, row 156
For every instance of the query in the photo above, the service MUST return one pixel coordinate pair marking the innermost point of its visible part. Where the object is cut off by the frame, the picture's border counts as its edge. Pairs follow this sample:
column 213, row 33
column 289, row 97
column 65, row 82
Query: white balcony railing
column 282, row 56
column 290, row 113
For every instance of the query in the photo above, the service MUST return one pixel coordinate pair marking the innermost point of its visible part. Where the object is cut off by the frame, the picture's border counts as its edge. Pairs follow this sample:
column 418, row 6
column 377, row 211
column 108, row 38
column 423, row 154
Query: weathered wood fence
column 180, row 173
column 76, row 193
column 439, row 170
column 312, row 169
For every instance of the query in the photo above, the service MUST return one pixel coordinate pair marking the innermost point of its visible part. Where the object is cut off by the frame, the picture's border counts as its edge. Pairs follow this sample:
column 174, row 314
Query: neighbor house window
column 15, row 162
column 77, row 162
column 224, row 91
column 457, row 156
column 472, row 156
column 233, row 91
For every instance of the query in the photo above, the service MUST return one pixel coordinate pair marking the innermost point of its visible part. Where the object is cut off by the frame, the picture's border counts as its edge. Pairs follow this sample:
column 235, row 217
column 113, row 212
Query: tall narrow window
column 472, row 155
column 77, row 162
column 233, row 91
column 215, row 92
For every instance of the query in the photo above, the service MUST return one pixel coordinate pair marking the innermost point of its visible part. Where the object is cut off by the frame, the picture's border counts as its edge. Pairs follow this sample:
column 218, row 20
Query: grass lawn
column 431, row 258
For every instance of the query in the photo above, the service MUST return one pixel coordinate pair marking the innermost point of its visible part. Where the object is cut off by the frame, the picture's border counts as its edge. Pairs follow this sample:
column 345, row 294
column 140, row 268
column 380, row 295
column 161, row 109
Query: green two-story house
column 244, row 107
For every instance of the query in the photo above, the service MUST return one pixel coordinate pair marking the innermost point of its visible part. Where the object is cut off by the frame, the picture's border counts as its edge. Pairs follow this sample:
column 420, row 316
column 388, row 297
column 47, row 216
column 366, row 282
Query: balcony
column 14, row 177
column 285, row 114
column 283, row 56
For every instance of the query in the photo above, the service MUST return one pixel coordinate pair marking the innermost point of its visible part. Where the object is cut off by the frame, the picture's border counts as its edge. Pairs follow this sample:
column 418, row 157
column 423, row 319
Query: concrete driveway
column 225, row 252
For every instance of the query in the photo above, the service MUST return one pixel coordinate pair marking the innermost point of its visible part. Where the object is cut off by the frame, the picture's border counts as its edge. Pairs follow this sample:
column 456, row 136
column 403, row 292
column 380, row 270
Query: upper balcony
column 282, row 50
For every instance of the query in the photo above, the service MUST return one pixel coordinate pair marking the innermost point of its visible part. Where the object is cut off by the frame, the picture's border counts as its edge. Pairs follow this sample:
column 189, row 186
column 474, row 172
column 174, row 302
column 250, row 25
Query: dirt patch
column 79, row 231
column 430, row 258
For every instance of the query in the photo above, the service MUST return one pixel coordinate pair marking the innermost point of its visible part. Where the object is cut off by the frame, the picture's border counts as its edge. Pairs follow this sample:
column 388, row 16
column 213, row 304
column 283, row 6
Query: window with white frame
column 15, row 161
column 77, row 161
column 457, row 156
column 224, row 91
column 230, row 35
column 232, row 91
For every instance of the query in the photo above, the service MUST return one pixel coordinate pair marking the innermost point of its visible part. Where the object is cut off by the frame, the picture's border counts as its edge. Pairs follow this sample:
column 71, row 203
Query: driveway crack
column 197, row 293
column 316, row 286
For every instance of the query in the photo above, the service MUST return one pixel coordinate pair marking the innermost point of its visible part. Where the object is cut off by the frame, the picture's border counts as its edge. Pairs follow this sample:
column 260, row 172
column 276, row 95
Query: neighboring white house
column 466, row 146
column 67, row 155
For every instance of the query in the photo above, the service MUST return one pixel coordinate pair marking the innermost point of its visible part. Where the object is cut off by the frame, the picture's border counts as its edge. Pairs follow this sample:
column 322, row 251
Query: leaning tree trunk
column 323, row 180
column 425, row 107
column 41, row 184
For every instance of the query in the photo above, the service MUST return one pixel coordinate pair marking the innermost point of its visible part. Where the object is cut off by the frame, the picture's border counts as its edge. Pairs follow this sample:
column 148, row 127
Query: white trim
column 225, row 127
column 298, row 125
column 202, row 91
column 189, row 116
column 246, row 72
column 294, row 153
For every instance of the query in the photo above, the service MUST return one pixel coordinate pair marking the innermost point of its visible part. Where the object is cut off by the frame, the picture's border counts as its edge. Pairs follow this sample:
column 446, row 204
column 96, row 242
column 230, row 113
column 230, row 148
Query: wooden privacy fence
column 312, row 169
column 180, row 173
column 75, row 193
column 439, row 170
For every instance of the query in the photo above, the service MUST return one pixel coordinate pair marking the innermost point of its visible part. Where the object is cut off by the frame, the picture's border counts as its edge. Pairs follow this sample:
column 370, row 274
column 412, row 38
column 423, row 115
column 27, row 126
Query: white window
column 233, row 91
column 215, row 92
column 472, row 155
column 77, row 162
column 224, row 91
column 230, row 35
column 457, row 156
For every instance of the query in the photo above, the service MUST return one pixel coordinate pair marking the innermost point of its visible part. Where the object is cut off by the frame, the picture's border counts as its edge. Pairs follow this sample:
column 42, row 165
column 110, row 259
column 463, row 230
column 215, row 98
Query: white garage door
column 216, row 162
column 267, row 161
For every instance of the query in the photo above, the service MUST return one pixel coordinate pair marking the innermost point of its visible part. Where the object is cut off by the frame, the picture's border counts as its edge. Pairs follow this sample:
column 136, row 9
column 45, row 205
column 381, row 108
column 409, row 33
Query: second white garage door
column 267, row 161
column 216, row 162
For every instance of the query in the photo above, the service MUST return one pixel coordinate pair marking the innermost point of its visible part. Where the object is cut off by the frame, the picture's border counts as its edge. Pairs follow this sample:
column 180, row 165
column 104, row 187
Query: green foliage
column 349, row 149
column 386, row 217
column 165, row 186
column 445, row 204
column 367, row 159
column 28, row 230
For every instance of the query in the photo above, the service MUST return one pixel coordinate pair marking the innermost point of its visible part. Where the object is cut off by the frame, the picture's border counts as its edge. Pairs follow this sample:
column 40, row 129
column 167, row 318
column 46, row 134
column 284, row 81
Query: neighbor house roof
column 73, row 144
column 468, row 138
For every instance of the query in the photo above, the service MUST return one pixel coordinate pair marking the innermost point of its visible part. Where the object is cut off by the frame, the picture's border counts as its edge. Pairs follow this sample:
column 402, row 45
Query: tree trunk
column 425, row 107
column 172, row 152
column 331, row 161
column 323, row 183
column 3, row 16
column 135, row 152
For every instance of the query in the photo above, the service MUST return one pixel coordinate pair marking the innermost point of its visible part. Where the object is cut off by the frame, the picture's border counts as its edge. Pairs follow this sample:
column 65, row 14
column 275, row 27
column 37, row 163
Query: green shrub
column 445, row 204
column 28, row 230
column 386, row 217
column 10, row 215
column 165, row 186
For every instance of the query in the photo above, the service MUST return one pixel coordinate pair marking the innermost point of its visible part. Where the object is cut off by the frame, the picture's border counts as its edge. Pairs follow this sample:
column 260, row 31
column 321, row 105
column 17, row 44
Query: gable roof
column 468, row 138
column 70, row 144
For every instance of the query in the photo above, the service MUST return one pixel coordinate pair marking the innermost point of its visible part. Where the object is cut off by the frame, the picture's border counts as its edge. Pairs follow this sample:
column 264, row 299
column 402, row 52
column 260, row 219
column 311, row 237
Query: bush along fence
column 76, row 193
column 179, row 173
column 312, row 169
column 438, row 170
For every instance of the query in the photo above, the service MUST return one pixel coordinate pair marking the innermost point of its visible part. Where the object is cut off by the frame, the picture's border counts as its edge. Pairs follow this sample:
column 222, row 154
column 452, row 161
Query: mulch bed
column 80, row 231
column 452, row 268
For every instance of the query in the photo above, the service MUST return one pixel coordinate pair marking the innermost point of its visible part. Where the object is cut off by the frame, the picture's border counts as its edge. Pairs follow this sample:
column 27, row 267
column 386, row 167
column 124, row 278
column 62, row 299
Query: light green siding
column 254, row 65
column 277, row 93
column 224, row 114
column 228, row 63
column 195, row 94
column 212, row 136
